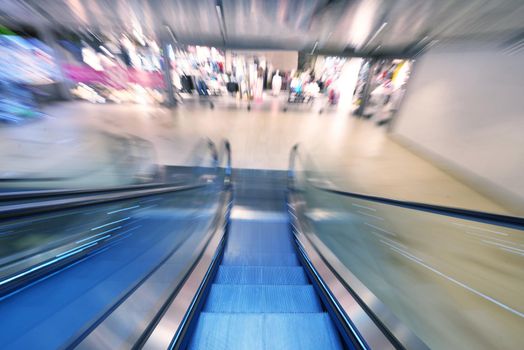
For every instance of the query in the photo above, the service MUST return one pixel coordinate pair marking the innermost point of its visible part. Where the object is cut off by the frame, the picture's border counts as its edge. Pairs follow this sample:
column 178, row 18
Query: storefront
column 243, row 75
column 337, row 78
column 380, row 88
column 197, row 70
column 28, row 76
column 102, row 69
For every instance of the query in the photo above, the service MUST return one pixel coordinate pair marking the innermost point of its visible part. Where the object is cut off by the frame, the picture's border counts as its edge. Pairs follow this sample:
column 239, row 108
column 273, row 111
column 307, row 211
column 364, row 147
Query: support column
column 367, row 88
column 64, row 85
column 166, row 68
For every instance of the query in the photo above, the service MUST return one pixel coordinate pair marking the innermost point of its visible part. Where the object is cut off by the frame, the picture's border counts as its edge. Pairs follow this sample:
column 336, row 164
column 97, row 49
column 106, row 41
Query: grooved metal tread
column 231, row 331
column 259, row 236
column 283, row 275
column 261, row 242
column 260, row 259
column 262, row 298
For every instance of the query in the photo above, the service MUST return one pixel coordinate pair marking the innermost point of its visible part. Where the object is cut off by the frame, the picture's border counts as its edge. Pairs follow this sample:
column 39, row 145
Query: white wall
column 464, row 108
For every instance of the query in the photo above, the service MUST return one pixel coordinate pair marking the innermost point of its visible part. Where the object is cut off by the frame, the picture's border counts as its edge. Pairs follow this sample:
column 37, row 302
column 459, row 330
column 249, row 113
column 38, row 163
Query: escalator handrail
column 102, row 195
column 32, row 194
column 212, row 148
column 467, row 214
column 23, row 209
column 227, row 147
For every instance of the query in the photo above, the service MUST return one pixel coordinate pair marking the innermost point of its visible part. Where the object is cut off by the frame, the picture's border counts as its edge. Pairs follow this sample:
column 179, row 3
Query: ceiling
column 359, row 27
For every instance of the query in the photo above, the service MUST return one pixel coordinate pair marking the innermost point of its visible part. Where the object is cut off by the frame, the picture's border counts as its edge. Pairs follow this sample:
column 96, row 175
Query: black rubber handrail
column 34, row 194
column 46, row 201
column 10, row 210
column 17, row 210
column 31, row 194
column 474, row 215
column 227, row 147
column 491, row 218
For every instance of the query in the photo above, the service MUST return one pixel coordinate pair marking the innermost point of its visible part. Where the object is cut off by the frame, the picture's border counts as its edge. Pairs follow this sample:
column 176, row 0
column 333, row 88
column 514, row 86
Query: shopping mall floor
column 79, row 140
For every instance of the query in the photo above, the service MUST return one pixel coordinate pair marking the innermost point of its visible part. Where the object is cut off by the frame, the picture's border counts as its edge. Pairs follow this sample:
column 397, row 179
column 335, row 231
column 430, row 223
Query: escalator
column 261, row 296
column 249, row 259
column 256, row 287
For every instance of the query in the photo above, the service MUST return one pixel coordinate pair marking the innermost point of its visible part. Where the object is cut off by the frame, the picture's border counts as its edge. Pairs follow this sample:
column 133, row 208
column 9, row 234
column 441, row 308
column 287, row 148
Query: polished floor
column 81, row 144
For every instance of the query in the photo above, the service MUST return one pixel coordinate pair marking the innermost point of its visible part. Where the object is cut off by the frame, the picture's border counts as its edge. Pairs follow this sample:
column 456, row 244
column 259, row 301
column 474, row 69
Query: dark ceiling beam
column 219, row 8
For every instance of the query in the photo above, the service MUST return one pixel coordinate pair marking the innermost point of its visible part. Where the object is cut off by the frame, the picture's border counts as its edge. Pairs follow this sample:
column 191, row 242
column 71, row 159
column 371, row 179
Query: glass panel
column 457, row 284
column 30, row 241
column 115, row 248
column 61, row 272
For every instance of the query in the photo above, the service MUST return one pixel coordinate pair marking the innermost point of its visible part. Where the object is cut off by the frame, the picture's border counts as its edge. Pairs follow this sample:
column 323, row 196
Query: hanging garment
column 276, row 84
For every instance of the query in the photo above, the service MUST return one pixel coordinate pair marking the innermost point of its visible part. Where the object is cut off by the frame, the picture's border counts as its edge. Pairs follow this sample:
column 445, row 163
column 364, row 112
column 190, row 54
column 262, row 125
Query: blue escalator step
column 221, row 331
column 261, row 275
column 260, row 226
column 271, row 242
column 262, row 298
column 260, row 259
column 260, row 236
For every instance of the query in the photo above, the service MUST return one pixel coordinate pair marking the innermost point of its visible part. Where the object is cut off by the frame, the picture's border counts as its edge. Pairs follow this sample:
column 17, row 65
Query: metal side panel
column 345, row 304
column 170, row 329
column 240, row 331
column 124, row 327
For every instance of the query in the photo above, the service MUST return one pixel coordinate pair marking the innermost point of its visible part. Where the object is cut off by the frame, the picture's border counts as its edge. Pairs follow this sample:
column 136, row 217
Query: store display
column 26, row 60
column 128, row 68
column 302, row 89
column 336, row 78
column 276, row 84
column 124, row 70
column 198, row 69
column 209, row 72
column 26, row 72
column 360, row 88
column 384, row 82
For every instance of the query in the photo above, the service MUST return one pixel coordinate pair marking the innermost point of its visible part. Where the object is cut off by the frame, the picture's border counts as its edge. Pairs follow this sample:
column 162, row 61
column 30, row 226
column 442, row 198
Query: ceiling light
column 377, row 32
column 221, row 22
column 171, row 33
column 314, row 48
column 106, row 51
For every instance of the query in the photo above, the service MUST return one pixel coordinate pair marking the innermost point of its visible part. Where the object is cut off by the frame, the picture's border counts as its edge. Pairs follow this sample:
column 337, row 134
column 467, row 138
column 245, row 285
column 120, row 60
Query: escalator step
column 217, row 331
column 263, row 238
column 260, row 259
column 262, row 227
column 262, row 298
column 261, row 275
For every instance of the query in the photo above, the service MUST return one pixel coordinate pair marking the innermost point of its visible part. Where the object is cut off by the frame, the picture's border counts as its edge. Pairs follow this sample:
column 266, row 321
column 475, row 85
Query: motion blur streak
column 250, row 174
